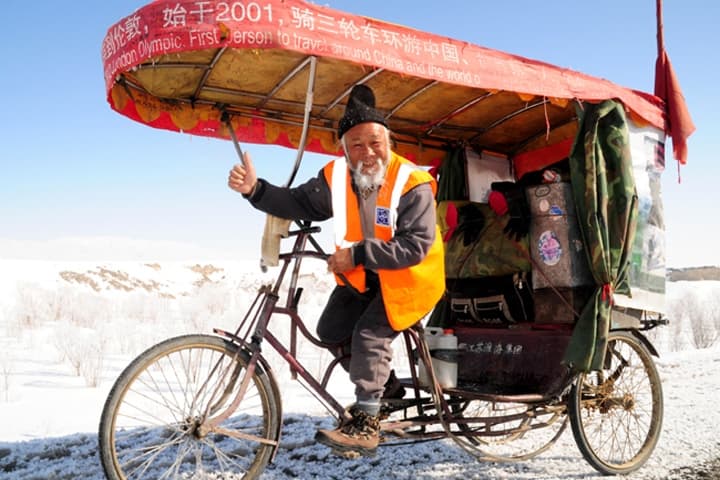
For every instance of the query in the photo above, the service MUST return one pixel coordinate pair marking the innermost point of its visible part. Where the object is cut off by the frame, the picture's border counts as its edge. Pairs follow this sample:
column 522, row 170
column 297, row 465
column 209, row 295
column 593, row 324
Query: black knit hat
column 360, row 109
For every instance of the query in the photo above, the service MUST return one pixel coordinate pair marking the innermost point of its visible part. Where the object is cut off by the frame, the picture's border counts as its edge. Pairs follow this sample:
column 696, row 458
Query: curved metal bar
column 457, row 111
column 309, row 96
column 284, row 81
column 410, row 98
column 208, row 69
column 226, row 119
column 529, row 106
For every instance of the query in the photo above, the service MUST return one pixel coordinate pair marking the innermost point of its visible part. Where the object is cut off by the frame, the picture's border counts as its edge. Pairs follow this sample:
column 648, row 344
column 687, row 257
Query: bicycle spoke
column 617, row 412
column 154, row 426
column 224, row 460
column 174, row 470
column 236, row 435
column 151, row 454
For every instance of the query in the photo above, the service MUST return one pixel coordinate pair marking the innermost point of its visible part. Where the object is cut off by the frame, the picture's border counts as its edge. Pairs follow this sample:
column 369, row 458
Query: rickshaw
column 545, row 336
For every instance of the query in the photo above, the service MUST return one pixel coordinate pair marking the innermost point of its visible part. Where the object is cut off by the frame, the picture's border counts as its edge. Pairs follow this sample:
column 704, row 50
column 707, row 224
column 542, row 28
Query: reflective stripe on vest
column 339, row 192
column 408, row 293
column 339, row 199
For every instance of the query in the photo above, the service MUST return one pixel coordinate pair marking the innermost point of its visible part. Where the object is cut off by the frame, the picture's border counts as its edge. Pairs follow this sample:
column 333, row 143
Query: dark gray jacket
column 312, row 200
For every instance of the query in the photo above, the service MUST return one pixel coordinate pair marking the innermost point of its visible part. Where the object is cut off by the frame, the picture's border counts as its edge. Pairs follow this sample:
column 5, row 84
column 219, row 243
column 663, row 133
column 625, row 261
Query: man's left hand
column 341, row 261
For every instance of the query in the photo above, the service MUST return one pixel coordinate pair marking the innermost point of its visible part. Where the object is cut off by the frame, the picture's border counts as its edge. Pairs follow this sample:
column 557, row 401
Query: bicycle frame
column 253, row 330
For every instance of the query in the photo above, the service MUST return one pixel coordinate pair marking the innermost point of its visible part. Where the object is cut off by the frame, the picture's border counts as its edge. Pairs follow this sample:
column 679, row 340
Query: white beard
column 370, row 181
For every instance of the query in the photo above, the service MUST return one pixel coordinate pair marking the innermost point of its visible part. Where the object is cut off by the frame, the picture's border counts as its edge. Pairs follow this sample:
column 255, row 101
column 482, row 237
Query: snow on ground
column 50, row 401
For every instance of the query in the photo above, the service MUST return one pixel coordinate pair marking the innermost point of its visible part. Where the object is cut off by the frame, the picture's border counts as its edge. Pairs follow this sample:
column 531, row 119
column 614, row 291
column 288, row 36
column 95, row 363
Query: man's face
column 367, row 148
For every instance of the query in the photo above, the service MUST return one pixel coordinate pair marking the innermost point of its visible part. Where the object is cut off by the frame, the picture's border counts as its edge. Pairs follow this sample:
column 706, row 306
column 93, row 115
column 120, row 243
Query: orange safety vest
column 408, row 293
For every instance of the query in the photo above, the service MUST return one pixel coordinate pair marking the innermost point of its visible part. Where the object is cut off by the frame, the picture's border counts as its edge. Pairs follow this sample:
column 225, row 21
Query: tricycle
column 546, row 335
column 199, row 404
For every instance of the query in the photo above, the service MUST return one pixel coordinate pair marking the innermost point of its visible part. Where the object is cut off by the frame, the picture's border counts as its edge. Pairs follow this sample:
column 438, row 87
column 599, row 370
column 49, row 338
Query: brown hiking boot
column 357, row 437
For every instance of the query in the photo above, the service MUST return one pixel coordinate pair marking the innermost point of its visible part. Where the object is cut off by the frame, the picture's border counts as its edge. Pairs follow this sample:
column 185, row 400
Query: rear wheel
column 501, row 431
column 154, row 423
column 616, row 413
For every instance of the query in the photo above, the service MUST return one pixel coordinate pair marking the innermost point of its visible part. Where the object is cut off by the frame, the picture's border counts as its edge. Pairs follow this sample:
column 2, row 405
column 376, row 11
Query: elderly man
column 388, row 247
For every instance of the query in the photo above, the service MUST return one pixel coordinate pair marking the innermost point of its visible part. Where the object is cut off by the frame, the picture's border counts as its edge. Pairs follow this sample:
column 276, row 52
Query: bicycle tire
column 616, row 413
column 532, row 431
column 149, row 424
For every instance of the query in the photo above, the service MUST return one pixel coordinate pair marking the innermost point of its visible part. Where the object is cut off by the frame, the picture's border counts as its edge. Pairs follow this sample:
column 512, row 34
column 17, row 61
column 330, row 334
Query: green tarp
column 607, row 209
column 452, row 184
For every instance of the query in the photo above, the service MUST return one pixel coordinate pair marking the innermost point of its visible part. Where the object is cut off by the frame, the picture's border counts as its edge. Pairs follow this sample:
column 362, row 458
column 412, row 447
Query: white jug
column 443, row 346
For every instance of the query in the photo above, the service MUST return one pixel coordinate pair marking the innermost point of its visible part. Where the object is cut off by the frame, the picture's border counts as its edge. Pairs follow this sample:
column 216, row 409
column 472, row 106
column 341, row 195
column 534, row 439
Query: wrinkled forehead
column 368, row 131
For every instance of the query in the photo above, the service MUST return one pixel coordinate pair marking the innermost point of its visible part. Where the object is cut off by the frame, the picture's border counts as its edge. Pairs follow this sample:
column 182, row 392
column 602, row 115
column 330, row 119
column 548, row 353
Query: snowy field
column 68, row 329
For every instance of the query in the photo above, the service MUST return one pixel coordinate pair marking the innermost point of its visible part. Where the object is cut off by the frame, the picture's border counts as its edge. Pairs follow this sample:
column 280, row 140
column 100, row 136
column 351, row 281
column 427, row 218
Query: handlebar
column 307, row 230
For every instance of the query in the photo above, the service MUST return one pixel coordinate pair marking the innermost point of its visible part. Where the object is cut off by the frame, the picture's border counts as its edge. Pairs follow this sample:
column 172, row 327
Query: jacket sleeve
column 308, row 201
column 414, row 235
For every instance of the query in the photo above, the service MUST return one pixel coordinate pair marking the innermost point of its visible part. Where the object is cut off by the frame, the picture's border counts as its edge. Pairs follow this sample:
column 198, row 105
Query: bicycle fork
column 211, row 423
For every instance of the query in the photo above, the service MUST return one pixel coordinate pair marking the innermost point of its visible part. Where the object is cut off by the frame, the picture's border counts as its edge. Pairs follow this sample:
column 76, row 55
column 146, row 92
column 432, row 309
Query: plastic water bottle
column 443, row 347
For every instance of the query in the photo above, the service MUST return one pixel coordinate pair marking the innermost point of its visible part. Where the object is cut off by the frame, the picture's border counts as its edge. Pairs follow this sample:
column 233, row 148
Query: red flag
column 678, row 125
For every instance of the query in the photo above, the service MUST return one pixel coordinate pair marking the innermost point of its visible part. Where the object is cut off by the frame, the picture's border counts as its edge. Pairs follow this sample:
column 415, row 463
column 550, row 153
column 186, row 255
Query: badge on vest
column 382, row 216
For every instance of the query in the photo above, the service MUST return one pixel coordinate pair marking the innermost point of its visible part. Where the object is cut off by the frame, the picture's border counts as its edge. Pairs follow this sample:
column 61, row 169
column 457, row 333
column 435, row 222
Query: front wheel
column 155, row 421
column 616, row 413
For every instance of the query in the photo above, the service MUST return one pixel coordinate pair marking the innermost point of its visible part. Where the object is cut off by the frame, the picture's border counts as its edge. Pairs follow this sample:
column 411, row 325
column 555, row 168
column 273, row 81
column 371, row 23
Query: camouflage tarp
column 606, row 202
column 452, row 183
column 490, row 253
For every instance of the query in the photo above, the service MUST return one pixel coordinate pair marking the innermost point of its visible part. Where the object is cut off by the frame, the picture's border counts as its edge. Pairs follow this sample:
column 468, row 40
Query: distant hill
column 693, row 274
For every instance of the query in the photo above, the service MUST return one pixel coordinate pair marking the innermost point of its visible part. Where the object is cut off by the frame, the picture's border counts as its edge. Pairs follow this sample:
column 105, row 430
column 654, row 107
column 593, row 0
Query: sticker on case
column 549, row 248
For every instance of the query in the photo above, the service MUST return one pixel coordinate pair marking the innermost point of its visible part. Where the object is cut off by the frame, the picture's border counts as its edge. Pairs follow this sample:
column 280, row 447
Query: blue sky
column 71, row 167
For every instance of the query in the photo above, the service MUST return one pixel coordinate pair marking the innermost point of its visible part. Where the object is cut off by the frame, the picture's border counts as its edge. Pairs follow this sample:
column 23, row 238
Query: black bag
column 490, row 301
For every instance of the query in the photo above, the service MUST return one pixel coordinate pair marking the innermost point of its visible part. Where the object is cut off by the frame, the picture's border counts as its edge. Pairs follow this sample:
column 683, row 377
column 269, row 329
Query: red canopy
column 180, row 65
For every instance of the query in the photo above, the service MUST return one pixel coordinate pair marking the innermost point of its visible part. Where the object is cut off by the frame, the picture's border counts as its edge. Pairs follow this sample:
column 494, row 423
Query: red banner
column 165, row 27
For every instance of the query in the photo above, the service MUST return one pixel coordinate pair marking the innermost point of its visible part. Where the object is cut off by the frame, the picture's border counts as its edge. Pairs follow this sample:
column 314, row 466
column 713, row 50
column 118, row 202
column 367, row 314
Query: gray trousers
column 362, row 326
